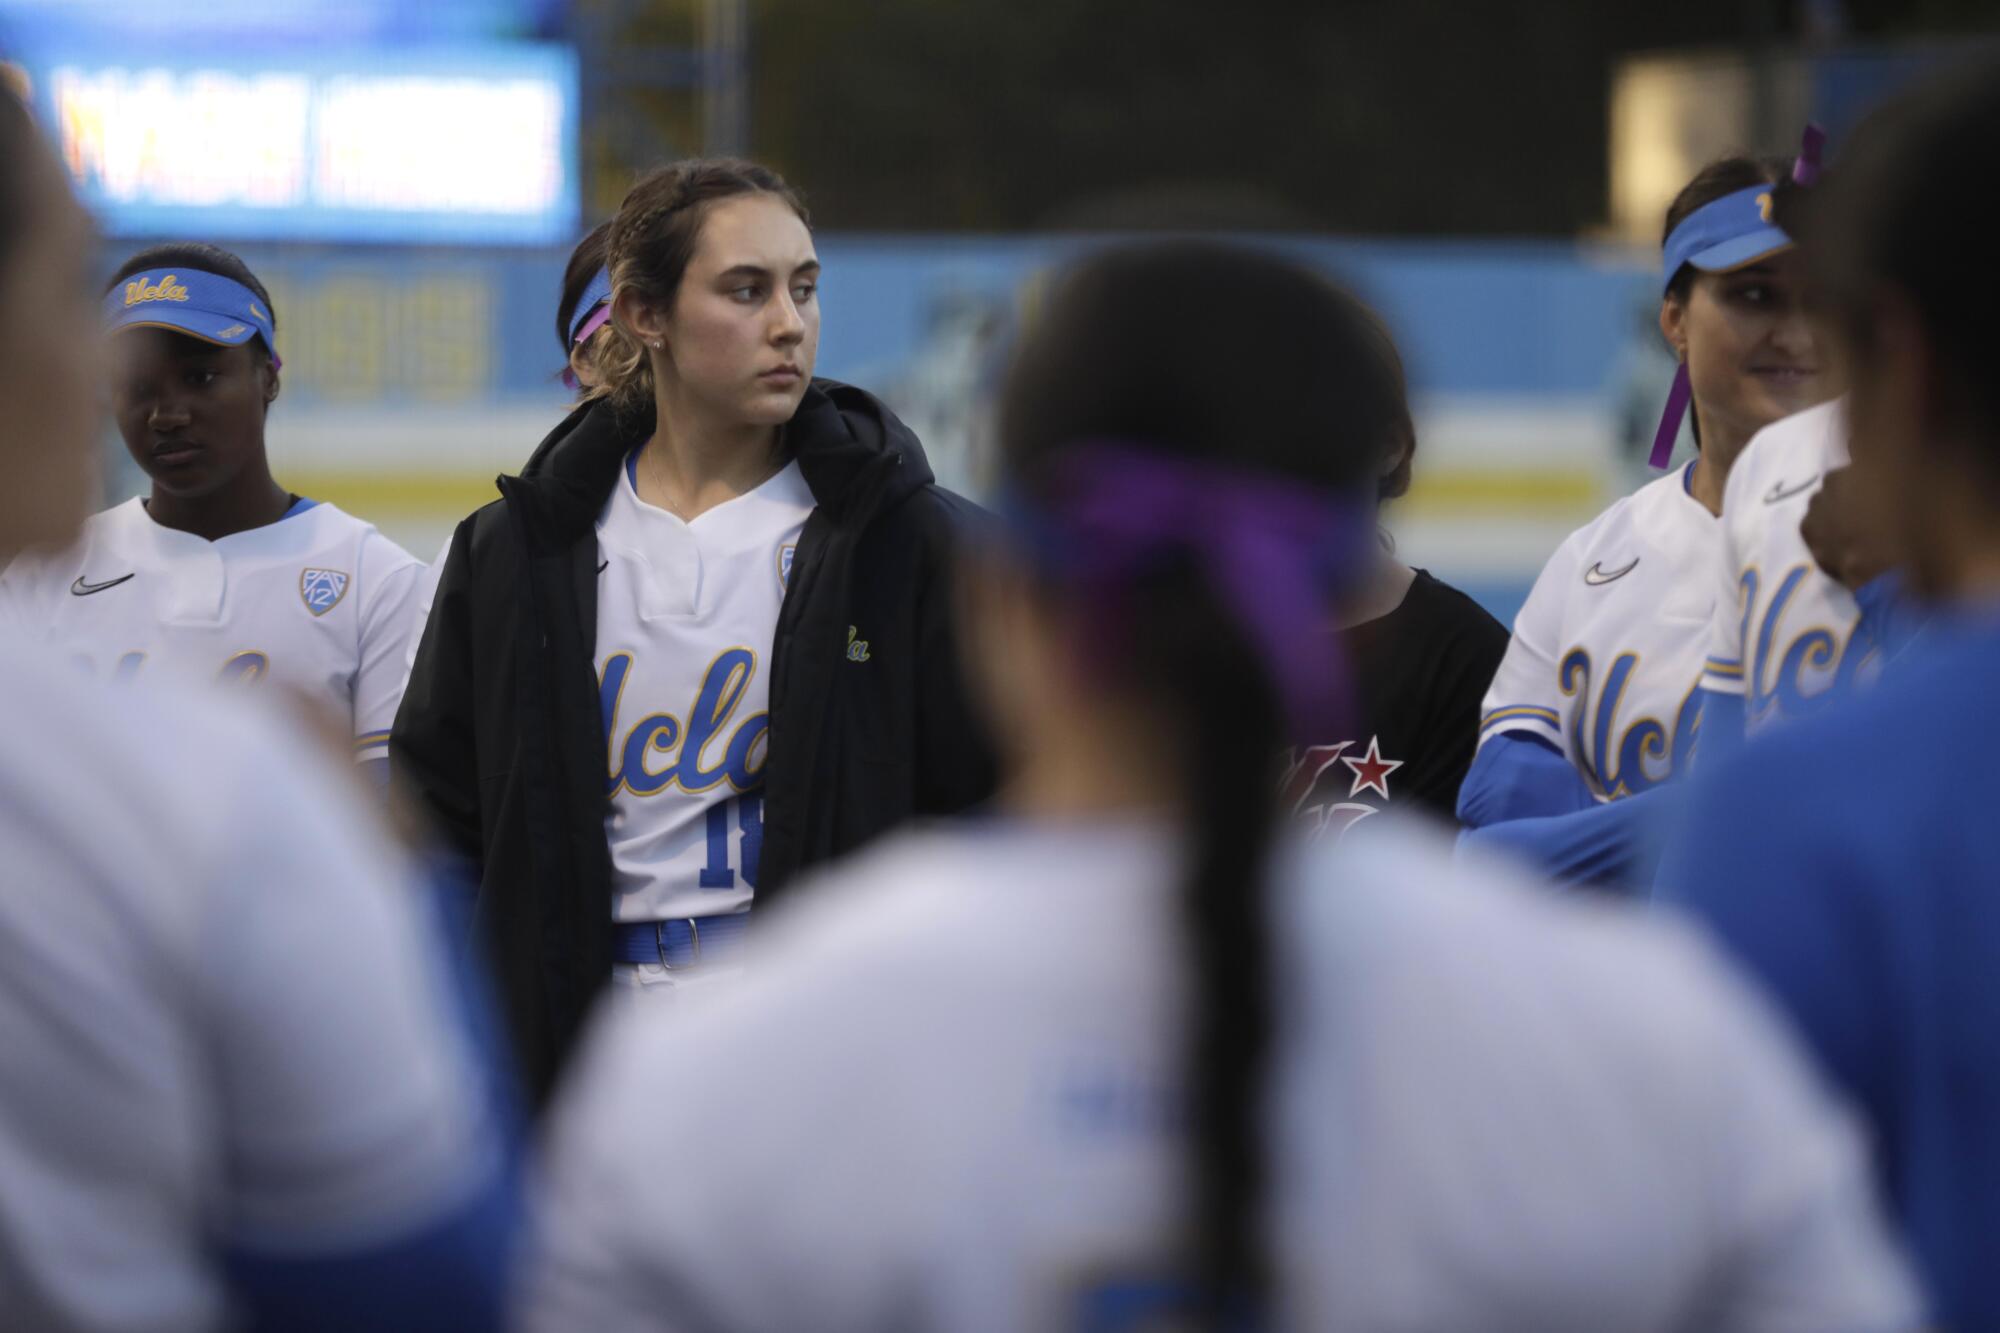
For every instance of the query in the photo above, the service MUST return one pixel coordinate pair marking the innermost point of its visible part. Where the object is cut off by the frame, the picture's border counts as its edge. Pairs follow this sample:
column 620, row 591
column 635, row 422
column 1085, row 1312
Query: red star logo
column 1371, row 770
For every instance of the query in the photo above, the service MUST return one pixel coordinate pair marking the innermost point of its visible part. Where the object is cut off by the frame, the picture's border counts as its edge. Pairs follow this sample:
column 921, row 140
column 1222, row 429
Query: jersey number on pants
column 750, row 819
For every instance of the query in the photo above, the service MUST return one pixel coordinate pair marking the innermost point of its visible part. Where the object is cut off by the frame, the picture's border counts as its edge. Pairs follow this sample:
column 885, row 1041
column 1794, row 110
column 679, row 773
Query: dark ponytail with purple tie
column 1192, row 436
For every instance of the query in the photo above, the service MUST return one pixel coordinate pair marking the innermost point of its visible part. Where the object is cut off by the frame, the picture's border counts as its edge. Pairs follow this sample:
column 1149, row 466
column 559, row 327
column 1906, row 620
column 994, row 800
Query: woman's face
column 49, row 342
column 192, row 413
column 1751, row 350
column 743, row 333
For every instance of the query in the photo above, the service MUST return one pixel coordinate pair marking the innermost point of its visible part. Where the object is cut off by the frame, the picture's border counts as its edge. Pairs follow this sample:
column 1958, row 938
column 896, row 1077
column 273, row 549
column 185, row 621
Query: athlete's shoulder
column 1501, row 953
column 1785, row 461
column 1451, row 613
column 1635, row 520
column 336, row 526
column 147, row 753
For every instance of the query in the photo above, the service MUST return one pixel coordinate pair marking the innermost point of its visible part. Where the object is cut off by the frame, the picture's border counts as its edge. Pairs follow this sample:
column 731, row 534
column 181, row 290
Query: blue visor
column 595, row 295
column 1728, row 233
column 207, row 306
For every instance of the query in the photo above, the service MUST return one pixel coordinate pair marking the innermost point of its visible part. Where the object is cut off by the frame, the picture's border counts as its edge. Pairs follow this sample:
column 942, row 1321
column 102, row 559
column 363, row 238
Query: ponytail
column 1194, row 657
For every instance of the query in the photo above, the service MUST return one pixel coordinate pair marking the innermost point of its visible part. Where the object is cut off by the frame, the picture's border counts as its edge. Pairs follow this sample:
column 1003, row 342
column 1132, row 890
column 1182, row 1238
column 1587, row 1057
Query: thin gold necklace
column 660, row 483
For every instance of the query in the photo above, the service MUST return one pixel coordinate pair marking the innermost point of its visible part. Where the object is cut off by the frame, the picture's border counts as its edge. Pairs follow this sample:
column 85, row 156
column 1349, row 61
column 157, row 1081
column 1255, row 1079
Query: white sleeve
column 1724, row 666
column 1526, row 693
column 347, row 1092
column 389, row 627
column 1802, row 1243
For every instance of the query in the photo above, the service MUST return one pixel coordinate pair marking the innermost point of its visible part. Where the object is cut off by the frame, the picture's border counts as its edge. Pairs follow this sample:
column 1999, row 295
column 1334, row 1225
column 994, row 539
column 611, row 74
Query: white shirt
column 1783, row 631
column 219, row 1018
column 1607, row 650
column 318, row 602
column 686, row 616
column 945, row 1096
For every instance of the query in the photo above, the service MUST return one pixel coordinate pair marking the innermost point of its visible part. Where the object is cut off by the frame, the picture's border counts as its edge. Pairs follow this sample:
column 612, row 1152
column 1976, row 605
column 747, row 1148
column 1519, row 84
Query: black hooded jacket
column 500, row 731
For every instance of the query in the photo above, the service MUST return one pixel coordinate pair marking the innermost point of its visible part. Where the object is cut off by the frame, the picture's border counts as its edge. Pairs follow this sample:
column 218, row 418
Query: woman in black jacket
column 702, row 641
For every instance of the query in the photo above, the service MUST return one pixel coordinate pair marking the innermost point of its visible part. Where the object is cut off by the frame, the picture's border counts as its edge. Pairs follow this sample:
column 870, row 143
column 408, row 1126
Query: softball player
column 1115, row 1056
column 1785, row 633
column 220, row 572
column 1597, row 699
column 701, row 641
column 235, row 1090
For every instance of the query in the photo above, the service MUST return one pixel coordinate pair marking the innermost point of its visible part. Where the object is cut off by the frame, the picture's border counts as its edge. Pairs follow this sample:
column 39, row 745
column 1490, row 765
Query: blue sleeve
column 1890, row 617
column 1516, row 775
column 449, row 1271
column 1613, row 845
column 450, row 1276
column 1723, row 720
column 1772, row 888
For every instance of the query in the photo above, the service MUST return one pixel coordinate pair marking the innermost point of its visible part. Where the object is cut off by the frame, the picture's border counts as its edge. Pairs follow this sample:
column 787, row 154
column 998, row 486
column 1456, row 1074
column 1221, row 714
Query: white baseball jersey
column 947, row 1095
column 318, row 601
column 1784, row 631
column 686, row 615
column 1607, row 650
column 219, row 1019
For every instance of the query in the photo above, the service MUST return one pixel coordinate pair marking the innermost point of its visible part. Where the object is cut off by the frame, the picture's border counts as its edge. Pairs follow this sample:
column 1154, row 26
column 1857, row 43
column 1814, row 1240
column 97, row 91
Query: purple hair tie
column 1670, row 420
column 1273, row 549
column 592, row 325
column 1805, row 170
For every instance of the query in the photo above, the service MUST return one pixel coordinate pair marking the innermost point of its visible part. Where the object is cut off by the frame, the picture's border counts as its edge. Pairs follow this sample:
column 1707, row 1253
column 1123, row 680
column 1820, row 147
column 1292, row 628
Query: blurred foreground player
column 1851, row 860
column 1421, row 653
column 233, row 1092
column 1075, row 1068
column 220, row 573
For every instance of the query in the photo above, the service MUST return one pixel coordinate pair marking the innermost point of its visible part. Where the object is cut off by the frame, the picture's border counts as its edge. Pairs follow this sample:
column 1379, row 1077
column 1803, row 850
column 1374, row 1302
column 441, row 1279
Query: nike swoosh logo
column 83, row 589
column 606, row 565
column 1597, row 578
column 1780, row 491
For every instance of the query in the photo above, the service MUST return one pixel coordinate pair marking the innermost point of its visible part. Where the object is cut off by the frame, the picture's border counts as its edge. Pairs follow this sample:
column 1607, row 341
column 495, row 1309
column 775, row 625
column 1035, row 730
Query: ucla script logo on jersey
column 680, row 745
column 1794, row 674
column 1644, row 753
column 322, row 589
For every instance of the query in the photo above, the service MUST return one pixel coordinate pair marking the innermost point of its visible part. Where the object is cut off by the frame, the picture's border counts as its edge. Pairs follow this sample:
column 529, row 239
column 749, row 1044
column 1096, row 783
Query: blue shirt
column 1852, row 861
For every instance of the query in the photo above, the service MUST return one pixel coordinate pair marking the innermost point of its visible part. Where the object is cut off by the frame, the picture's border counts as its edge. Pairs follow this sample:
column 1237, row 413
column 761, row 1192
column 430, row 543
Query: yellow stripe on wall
column 1504, row 491
column 1466, row 492
column 403, row 494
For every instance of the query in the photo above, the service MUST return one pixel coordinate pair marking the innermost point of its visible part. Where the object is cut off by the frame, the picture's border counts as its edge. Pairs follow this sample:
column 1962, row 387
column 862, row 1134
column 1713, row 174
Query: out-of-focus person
column 234, row 1090
column 1420, row 653
column 1848, row 860
column 1125, row 1054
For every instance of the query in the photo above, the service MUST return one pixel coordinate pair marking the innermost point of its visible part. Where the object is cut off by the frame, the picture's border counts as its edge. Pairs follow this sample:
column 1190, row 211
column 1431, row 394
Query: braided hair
column 1225, row 355
column 649, row 246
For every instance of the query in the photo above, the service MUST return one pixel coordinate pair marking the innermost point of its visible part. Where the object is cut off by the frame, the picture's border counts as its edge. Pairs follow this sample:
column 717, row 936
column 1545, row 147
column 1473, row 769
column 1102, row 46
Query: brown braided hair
column 651, row 241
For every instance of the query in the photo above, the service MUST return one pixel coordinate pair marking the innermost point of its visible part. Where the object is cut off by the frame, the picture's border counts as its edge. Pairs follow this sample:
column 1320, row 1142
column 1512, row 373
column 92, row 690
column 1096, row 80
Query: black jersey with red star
column 1418, row 675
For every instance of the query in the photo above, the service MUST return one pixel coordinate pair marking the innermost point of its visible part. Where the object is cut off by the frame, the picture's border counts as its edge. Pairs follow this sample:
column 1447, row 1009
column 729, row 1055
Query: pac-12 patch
column 322, row 589
column 785, row 554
